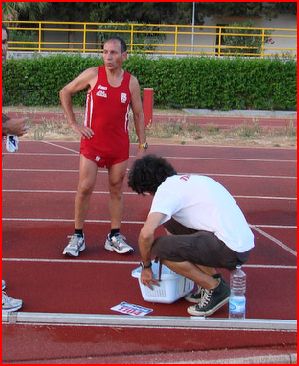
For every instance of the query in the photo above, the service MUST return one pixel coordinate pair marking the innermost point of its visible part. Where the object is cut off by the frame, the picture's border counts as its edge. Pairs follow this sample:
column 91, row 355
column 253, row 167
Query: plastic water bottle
column 237, row 300
column 12, row 143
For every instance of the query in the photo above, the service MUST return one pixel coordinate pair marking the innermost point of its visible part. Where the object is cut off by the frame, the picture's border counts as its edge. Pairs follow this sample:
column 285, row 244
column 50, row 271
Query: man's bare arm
column 145, row 242
column 13, row 126
column 137, row 109
column 85, row 80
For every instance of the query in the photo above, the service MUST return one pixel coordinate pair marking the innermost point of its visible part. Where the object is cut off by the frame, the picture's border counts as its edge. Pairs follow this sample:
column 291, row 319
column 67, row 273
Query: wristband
column 143, row 146
column 144, row 266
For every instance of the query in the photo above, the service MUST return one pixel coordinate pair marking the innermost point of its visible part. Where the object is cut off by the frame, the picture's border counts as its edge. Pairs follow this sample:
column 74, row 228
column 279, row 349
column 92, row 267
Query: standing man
column 17, row 127
column 10, row 126
column 209, row 230
column 104, row 137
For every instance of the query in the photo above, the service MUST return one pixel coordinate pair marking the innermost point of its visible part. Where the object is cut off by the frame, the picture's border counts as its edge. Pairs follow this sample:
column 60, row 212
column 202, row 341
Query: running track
column 39, row 185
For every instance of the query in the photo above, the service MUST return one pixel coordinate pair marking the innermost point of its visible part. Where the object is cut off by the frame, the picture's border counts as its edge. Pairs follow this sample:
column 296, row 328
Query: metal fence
column 154, row 39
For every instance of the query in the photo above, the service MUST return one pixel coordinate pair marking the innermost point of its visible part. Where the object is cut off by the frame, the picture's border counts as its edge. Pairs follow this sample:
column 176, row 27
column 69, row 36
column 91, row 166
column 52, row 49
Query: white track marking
column 105, row 172
column 44, row 154
column 166, row 157
column 276, row 226
column 276, row 241
column 180, row 145
column 67, row 259
column 255, row 227
column 99, row 261
column 69, row 220
column 132, row 193
column 60, row 147
column 125, row 222
column 55, row 191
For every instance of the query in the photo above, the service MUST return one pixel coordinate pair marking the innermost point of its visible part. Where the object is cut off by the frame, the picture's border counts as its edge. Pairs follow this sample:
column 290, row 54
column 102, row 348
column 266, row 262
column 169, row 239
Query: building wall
column 203, row 37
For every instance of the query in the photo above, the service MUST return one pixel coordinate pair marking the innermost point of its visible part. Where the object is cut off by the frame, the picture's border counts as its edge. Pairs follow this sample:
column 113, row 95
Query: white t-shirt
column 199, row 202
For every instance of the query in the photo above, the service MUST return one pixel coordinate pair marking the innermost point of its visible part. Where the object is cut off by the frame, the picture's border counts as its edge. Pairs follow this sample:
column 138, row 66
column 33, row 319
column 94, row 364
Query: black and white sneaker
column 196, row 295
column 211, row 300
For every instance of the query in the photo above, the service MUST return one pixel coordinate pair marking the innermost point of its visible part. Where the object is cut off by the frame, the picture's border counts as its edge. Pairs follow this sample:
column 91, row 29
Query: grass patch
column 182, row 133
column 248, row 131
column 50, row 130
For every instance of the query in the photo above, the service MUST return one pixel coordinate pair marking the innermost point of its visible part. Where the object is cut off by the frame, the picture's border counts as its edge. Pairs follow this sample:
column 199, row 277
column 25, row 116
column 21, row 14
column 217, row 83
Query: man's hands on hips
column 15, row 126
column 83, row 131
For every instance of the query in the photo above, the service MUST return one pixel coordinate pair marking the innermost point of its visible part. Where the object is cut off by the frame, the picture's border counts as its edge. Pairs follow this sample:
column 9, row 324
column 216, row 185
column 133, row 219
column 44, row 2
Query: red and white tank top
column 106, row 113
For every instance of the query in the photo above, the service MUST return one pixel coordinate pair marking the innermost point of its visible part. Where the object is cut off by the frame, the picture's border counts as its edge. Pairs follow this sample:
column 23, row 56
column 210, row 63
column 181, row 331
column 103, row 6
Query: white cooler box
column 172, row 285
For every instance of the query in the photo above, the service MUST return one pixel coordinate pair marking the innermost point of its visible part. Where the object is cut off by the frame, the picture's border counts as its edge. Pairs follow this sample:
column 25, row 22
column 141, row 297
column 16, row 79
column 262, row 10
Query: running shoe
column 196, row 295
column 211, row 300
column 117, row 243
column 3, row 285
column 75, row 245
column 10, row 304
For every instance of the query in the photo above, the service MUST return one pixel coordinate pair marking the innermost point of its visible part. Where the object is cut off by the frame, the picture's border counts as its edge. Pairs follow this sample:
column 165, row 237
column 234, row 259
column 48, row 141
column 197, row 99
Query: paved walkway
column 242, row 113
column 226, row 119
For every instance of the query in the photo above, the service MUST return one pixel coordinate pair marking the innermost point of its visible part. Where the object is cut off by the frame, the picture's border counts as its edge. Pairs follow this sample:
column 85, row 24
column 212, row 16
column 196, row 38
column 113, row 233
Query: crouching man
column 208, row 230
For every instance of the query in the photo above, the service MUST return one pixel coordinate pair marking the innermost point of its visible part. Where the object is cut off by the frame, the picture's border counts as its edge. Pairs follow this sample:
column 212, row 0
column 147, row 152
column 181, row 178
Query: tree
column 251, row 9
column 12, row 11
column 146, row 12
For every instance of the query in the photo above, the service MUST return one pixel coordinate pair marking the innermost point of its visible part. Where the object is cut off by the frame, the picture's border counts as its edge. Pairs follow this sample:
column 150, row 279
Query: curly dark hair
column 148, row 173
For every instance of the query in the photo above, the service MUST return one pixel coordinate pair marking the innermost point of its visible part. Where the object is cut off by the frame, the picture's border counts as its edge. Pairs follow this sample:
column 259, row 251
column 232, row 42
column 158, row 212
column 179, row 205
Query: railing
column 155, row 39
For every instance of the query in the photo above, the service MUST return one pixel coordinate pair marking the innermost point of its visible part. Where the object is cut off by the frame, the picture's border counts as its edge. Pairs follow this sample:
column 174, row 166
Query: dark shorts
column 195, row 246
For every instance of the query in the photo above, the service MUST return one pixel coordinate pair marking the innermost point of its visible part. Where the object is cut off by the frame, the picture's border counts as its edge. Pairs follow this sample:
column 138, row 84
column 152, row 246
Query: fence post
column 176, row 40
column 84, row 38
column 148, row 103
column 263, row 44
column 219, row 41
column 132, row 37
column 39, row 36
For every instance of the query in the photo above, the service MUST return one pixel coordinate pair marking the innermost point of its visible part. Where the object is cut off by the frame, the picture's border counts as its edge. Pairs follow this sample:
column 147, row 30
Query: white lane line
column 276, row 241
column 268, row 198
column 125, row 222
column 132, row 193
column 269, row 266
column 59, row 146
column 55, row 191
column 255, row 227
column 98, row 261
column 44, row 154
column 275, row 226
column 66, row 260
column 68, row 220
column 166, row 157
column 221, row 147
column 201, row 173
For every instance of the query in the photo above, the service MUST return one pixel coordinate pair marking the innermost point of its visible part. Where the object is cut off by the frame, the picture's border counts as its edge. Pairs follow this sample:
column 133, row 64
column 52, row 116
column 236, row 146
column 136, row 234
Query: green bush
column 221, row 84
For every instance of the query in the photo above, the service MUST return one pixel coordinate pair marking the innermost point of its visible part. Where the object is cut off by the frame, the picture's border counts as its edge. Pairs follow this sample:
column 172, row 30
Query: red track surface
column 39, row 185
column 219, row 120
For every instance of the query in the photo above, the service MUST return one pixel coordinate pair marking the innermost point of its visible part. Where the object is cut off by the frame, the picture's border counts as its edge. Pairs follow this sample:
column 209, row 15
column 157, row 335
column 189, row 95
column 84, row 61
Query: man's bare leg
column 193, row 272
column 116, row 176
column 87, row 179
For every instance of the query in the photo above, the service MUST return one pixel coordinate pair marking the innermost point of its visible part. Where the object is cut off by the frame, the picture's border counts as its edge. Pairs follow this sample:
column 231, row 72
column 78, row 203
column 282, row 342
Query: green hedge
column 210, row 83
